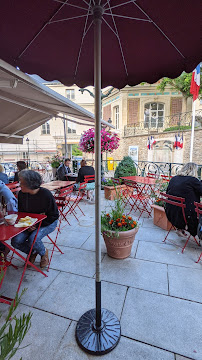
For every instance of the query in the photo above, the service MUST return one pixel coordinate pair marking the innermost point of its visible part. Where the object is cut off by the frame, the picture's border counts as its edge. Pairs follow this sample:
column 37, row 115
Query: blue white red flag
column 195, row 83
column 148, row 143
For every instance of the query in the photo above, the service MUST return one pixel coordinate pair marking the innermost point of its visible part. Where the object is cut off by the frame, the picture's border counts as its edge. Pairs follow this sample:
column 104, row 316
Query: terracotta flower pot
column 110, row 192
column 160, row 218
column 120, row 247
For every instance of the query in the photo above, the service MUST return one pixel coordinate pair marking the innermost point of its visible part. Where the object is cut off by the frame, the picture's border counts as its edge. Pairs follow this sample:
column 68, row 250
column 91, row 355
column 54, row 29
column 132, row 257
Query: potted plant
column 159, row 215
column 118, row 230
column 112, row 187
column 55, row 163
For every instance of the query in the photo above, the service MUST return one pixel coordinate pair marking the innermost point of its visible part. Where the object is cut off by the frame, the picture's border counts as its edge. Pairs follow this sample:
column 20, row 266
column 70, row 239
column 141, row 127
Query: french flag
column 148, row 144
column 181, row 141
column 195, row 83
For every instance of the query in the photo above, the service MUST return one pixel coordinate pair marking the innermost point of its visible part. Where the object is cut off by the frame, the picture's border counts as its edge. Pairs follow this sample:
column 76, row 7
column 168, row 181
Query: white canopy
column 26, row 104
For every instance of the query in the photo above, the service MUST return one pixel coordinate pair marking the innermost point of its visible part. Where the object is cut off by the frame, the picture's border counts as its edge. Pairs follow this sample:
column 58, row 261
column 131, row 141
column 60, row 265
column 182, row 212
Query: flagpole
column 192, row 130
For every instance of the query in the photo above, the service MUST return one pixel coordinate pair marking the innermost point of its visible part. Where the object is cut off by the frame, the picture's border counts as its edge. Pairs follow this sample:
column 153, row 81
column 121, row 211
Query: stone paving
column 156, row 294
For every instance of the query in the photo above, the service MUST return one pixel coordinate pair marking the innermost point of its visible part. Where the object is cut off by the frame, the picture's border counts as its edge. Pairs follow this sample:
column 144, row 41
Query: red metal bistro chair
column 198, row 209
column 71, row 200
column 152, row 175
column 88, row 178
column 166, row 177
column 15, row 188
column 136, row 198
column 179, row 202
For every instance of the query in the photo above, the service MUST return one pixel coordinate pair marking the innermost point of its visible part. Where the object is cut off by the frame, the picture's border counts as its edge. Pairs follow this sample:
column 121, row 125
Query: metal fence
column 145, row 167
column 176, row 122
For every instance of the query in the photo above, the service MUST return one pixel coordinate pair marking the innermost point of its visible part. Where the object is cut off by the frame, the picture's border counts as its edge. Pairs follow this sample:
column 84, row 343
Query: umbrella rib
column 110, row 27
column 72, row 18
column 115, row 6
column 116, row 30
column 162, row 32
column 83, row 36
column 128, row 17
column 68, row 4
column 39, row 32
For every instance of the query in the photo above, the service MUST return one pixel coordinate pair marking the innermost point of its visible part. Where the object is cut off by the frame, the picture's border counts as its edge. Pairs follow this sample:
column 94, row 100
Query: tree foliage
column 126, row 167
column 182, row 83
column 76, row 151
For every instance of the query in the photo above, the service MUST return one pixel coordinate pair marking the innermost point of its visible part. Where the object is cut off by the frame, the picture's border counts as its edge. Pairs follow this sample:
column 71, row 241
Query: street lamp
column 27, row 141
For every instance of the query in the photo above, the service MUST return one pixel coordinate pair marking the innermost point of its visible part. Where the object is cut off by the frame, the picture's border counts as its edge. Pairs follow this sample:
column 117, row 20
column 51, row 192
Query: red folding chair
column 135, row 197
column 14, row 188
column 198, row 209
column 88, row 178
column 179, row 202
column 71, row 200
column 152, row 175
column 166, row 177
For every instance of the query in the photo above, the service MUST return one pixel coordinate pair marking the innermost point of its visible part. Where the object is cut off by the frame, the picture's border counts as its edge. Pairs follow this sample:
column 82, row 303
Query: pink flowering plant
column 109, row 141
column 56, row 160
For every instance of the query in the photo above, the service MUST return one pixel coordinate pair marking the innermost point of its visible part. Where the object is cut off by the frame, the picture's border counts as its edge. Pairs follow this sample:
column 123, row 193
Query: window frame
column 151, row 121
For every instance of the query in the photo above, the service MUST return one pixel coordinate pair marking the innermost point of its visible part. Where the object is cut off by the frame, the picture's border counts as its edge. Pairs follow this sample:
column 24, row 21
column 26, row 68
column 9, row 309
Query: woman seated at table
column 185, row 185
column 8, row 200
column 3, row 176
column 34, row 199
column 83, row 171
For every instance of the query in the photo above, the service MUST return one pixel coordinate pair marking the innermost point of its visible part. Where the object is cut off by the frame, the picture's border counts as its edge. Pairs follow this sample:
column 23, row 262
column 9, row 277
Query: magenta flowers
column 109, row 141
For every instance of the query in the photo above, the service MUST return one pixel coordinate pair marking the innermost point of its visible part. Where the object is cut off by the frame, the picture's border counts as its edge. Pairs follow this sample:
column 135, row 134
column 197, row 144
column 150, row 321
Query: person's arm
column 51, row 212
column 79, row 176
column 197, row 184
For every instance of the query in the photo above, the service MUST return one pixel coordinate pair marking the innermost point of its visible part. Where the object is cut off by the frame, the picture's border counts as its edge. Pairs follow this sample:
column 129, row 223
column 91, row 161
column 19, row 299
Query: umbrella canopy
column 141, row 40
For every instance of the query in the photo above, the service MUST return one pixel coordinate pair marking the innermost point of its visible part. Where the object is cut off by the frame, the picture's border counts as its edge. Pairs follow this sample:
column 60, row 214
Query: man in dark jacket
column 64, row 170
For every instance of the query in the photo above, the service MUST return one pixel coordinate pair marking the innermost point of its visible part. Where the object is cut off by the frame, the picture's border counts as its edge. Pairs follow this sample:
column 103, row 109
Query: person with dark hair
column 63, row 170
column 185, row 185
column 34, row 199
column 85, row 170
column 3, row 176
column 21, row 165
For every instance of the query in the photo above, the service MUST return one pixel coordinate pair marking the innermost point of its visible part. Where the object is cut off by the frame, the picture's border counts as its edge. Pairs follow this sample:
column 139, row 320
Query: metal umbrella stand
column 98, row 330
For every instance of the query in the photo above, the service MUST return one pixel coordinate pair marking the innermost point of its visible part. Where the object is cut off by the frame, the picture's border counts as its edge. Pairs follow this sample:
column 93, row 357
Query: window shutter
column 175, row 110
column 107, row 112
column 133, row 111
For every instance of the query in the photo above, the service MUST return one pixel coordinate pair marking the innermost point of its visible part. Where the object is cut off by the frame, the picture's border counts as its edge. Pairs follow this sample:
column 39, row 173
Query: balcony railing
column 176, row 122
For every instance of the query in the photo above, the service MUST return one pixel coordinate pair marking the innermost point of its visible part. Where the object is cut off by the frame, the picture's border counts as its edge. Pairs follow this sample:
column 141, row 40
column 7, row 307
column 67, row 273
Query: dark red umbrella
column 142, row 40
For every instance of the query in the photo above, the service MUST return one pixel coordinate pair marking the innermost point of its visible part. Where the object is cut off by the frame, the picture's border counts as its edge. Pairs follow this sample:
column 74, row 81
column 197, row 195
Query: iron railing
column 176, row 122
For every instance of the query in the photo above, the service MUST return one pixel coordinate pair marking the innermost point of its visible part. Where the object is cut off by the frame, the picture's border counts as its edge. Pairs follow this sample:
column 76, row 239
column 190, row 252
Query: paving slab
column 72, row 295
column 167, row 254
column 136, row 273
column 33, row 281
column 71, row 238
column 179, row 357
column 168, row 323
column 126, row 349
column 44, row 336
column 185, row 283
column 75, row 261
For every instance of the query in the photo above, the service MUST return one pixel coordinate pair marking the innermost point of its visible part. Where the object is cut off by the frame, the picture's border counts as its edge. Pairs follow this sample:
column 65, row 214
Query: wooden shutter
column 133, row 111
column 107, row 112
column 175, row 110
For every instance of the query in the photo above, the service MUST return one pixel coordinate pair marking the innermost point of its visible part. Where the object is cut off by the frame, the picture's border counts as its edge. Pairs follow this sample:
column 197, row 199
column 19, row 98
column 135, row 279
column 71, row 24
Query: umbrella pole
column 98, row 330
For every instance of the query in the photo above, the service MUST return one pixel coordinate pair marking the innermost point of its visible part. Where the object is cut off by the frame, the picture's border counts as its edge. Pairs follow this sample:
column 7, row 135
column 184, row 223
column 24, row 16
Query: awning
column 26, row 104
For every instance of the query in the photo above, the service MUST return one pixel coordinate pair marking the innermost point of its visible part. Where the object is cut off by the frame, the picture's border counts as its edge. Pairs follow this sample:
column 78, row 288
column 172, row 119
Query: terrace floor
column 156, row 294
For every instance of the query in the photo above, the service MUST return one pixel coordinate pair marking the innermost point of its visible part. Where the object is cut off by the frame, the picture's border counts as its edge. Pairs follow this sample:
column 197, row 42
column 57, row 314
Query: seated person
column 9, row 200
column 63, row 170
column 34, row 199
column 85, row 170
column 185, row 185
column 3, row 176
column 21, row 165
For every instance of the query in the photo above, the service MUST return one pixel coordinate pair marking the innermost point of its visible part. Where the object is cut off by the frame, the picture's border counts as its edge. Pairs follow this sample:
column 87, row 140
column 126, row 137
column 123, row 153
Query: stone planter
column 160, row 218
column 119, row 247
column 110, row 192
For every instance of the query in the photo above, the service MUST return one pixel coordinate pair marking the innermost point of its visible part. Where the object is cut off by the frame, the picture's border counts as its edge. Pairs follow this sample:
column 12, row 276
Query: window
column 45, row 128
column 116, row 112
column 70, row 94
column 71, row 127
column 153, row 115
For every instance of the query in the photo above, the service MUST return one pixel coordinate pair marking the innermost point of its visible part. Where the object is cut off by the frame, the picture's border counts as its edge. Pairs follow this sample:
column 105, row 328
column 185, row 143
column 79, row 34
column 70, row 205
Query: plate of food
column 26, row 221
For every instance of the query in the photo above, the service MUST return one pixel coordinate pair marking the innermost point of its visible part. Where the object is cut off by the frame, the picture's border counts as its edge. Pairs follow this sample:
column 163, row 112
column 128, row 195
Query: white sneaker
column 182, row 233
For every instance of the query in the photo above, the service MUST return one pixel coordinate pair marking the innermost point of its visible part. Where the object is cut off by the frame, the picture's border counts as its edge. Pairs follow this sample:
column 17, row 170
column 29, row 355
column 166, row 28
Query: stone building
column 143, row 115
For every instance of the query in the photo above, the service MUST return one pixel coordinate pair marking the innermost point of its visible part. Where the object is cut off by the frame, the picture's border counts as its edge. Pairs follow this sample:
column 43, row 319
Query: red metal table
column 144, row 188
column 7, row 233
column 57, row 184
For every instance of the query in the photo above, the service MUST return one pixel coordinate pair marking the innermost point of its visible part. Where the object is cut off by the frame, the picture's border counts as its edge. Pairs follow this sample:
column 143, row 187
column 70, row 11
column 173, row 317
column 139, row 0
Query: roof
column 26, row 104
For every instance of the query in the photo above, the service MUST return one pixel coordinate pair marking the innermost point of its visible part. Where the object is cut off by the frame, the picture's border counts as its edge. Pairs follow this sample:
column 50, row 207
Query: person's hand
column 32, row 228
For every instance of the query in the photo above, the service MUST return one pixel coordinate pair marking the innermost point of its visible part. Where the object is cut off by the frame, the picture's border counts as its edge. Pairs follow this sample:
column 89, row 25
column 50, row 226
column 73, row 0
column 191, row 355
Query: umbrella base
column 98, row 341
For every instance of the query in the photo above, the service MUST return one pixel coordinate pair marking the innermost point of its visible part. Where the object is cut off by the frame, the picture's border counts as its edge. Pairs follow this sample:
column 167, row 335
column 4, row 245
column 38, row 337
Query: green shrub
column 126, row 167
column 178, row 128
